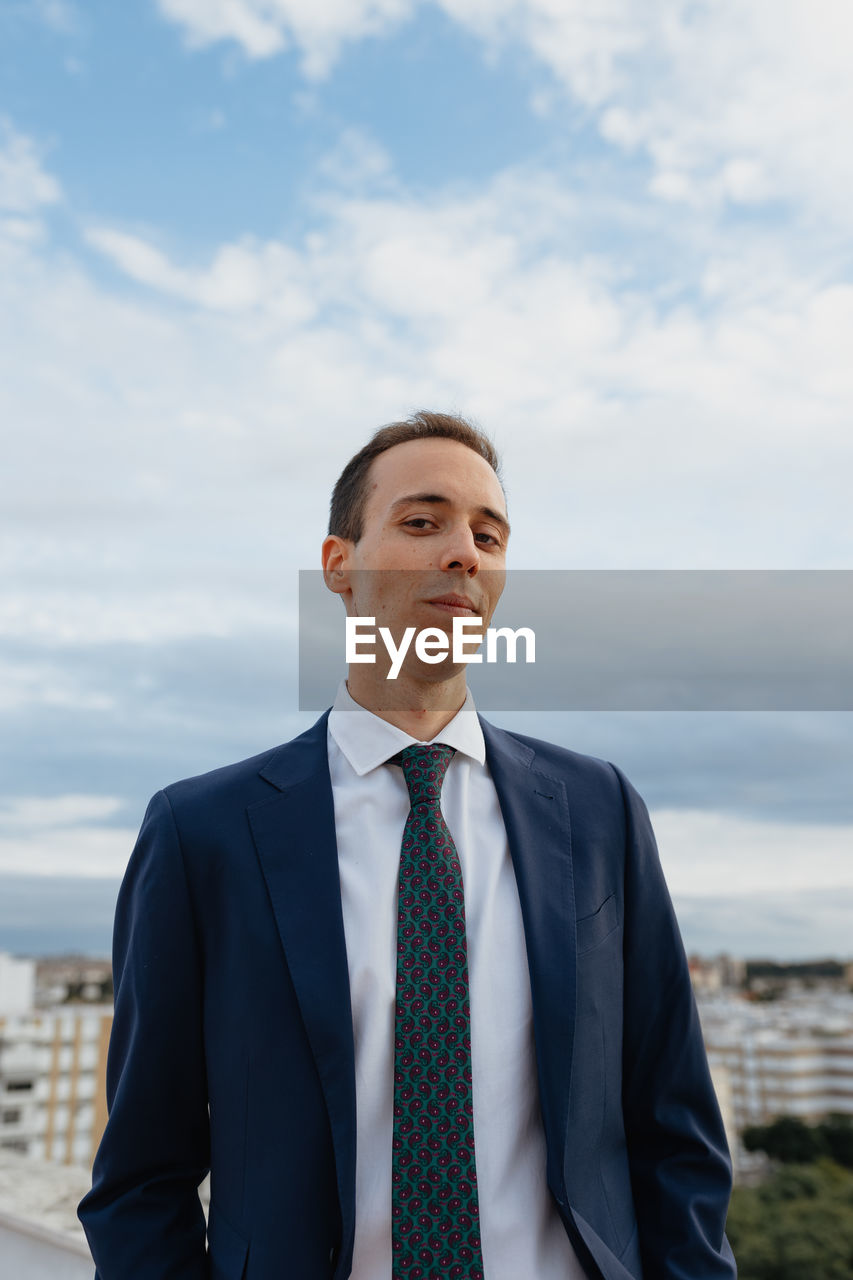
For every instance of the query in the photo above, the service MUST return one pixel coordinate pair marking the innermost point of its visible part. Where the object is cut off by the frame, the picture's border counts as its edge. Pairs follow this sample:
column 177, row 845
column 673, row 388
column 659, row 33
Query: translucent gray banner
column 627, row 640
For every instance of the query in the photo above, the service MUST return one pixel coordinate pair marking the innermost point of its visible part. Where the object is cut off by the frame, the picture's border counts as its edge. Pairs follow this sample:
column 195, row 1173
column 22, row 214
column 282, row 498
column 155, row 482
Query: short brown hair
column 349, row 497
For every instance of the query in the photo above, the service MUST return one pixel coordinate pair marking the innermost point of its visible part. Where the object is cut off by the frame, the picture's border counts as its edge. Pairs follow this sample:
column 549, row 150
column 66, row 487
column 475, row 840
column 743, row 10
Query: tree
column 787, row 1139
column 837, row 1134
column 798, row 1225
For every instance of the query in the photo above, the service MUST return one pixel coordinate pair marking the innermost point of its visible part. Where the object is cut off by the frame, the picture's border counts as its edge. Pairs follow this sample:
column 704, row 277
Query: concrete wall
column 17, row 984
column 31, row 1252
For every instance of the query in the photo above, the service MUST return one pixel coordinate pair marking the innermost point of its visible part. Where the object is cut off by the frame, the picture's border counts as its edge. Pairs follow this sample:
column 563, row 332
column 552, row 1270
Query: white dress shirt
column 522, row 1235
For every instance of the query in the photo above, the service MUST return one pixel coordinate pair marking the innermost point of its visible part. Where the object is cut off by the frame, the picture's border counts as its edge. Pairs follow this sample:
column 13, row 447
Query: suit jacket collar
column 367, row 740
column 294, row 834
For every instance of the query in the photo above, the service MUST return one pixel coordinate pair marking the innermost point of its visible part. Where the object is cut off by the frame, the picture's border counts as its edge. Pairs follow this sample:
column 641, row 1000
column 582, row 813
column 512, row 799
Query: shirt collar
column 368, row 741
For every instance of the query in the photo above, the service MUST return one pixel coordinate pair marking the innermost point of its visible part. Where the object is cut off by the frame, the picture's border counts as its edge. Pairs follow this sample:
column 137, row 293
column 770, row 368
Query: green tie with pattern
column 434, row 1210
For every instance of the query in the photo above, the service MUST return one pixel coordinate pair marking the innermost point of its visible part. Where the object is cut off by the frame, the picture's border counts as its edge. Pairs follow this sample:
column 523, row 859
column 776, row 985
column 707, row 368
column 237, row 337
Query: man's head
column 349, row 497
column 423, row 500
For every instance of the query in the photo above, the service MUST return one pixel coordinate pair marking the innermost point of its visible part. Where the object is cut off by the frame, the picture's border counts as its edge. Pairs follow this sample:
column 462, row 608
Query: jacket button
column 333, row 1253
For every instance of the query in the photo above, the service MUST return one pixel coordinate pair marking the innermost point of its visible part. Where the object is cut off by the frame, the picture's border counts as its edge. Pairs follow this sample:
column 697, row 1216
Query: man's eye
column 418, row 522
column 490, row 536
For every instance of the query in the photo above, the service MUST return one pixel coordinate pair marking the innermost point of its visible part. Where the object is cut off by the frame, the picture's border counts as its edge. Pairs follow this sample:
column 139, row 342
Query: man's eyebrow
column 439, row 498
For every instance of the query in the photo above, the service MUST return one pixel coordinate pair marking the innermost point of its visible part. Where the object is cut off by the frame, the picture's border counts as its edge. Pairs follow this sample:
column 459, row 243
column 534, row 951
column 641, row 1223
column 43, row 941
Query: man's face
column 435, row 515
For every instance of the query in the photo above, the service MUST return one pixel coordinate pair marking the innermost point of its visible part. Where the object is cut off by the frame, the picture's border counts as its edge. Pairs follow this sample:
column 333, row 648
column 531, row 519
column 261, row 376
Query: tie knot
column 424, row 767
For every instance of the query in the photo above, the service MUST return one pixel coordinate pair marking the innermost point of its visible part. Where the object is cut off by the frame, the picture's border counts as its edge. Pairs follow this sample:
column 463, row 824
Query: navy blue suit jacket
column 232, row 1047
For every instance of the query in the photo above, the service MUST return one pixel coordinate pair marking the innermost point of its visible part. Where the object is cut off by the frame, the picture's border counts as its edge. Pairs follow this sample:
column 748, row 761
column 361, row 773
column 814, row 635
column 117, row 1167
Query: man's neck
column 419, row 708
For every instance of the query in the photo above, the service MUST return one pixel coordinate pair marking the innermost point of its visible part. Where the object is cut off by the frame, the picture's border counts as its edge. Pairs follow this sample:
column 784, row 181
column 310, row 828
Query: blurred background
column 236, row 237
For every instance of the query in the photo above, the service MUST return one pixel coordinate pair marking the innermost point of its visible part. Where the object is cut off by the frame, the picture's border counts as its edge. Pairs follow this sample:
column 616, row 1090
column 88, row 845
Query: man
column 409, row 986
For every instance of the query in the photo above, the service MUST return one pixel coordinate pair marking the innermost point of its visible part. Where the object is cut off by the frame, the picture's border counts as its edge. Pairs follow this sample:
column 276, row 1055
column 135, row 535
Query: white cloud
column 147, row 616
column 25, row 186
column 59, row 15
column 44, row 684
column 205, row 21
column 139, row 260
column 784, row 926
column 176, row 443
column 21, row 231
column 356, row 160
column 56, row 811
column 708, row 854
column 742, row 102
column 675, row 434
column 61, row 835
column 68, row 851
column 266, row 27
column 240, row 277
column 733, row 101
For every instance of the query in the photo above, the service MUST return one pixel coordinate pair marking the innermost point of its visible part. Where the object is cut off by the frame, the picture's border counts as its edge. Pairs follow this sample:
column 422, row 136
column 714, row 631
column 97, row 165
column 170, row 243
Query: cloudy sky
column 236, row 235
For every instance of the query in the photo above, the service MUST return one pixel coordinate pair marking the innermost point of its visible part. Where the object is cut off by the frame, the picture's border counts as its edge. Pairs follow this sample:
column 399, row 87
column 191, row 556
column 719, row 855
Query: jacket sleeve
column 143, row 1217
column 677, row 1150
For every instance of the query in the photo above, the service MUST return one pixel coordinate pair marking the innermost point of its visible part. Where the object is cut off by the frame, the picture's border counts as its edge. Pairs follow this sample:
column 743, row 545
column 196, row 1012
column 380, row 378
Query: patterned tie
column 435, row 1214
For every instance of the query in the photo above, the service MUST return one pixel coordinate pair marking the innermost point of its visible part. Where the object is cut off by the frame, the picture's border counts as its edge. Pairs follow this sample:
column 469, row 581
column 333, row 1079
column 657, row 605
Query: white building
column 17, row 984
column 53, row 1082
column 792, row 1056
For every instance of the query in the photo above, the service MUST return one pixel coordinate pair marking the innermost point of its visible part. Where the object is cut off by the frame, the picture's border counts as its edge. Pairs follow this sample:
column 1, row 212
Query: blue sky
column 234, row 238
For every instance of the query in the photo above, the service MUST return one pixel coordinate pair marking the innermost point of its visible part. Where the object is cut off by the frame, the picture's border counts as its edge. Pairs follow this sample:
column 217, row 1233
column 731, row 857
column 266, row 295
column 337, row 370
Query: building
column 716, row 974
column 77, row 979
column 792, row 1056
column 53, row 1082
column 17, row 984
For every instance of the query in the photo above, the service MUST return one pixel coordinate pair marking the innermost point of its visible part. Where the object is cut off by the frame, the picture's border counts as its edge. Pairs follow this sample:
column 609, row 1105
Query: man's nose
column 461, row 552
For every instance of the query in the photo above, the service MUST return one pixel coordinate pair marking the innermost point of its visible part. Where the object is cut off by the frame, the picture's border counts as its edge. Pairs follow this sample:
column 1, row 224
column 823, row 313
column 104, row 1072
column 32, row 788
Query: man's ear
column 335, row 555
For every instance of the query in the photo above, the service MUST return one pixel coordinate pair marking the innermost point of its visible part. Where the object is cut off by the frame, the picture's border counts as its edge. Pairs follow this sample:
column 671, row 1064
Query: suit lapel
column 294, row 833
column 535, row 811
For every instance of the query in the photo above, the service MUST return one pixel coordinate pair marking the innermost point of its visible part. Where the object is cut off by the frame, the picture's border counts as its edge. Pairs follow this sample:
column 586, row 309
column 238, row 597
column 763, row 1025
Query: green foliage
column 837, row 1133
column 793, row 1142
column 798, row 1225
column 809, row 970
column 786, row 1139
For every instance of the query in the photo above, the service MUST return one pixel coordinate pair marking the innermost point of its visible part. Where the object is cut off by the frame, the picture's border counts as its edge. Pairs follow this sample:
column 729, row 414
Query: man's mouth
column 459, row 606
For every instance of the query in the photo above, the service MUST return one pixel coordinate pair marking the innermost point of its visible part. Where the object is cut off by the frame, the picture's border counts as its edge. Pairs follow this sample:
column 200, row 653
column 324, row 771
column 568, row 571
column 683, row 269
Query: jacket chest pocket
column 595, row 928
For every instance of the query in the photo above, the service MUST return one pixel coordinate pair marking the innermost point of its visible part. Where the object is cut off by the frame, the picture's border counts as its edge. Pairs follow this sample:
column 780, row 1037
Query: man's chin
column 415, row 671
